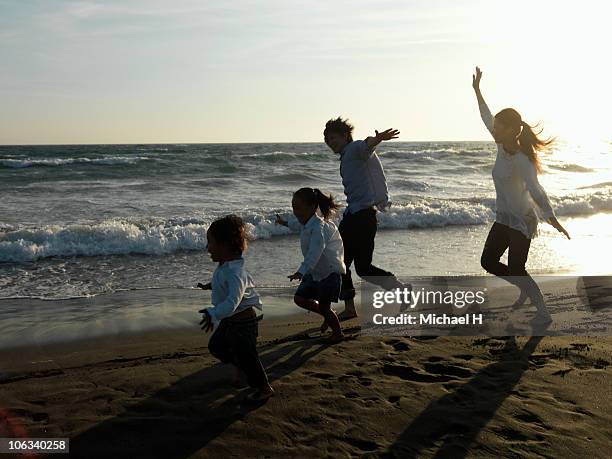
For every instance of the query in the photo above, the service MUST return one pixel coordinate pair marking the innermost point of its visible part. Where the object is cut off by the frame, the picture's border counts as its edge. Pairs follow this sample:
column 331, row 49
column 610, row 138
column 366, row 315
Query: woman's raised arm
column 485, row 113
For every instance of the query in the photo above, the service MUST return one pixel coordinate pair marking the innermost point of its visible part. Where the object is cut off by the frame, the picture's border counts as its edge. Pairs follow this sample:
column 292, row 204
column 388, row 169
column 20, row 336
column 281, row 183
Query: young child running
column 323, row 252
column 365, row 187
column 517, row 189
column 233, row 316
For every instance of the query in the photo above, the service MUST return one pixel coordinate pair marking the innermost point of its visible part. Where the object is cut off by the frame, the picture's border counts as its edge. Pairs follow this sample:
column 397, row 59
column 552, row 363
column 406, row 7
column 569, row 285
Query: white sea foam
column 112, row 237
column 21, row 163
column 107, row 238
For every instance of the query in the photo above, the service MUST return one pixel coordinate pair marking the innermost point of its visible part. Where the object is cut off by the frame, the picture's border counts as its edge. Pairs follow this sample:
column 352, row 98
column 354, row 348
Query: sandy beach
column 168, row 166
column 161, row 394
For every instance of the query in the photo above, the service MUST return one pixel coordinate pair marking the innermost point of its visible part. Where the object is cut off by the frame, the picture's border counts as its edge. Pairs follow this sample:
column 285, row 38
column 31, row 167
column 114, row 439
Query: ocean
column 85, row 228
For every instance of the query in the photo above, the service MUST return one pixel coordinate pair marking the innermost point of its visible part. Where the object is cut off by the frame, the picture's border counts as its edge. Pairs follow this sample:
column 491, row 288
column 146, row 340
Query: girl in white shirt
column 519, row 196
column 323, row 264
column 233, row 316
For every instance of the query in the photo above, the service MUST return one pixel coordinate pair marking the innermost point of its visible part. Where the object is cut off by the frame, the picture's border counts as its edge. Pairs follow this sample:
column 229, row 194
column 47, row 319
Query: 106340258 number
column 34, row 445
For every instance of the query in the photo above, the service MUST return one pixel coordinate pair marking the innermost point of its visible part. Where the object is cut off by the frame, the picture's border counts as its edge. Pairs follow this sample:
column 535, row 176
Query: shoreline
column 49, row 323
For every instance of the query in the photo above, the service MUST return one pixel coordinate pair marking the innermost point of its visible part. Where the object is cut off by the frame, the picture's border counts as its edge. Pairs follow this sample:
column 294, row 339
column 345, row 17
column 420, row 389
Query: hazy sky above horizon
column 151, row 71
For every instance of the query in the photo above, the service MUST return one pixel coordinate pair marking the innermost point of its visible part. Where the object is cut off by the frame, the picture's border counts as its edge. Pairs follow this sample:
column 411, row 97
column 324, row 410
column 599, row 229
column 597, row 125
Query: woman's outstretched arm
column 485, row 113
column 539, row 196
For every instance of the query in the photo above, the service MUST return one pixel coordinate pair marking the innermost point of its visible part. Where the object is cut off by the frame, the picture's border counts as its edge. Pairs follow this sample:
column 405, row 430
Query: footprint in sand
column 36, row 417
column 580, row 347
column 320, row 375
column 357, row 373
column 412, row 374
column 579, row 361
column 570, row 406
column 532, row 418
column 562, row 373
column 398, row 345
column 448, row 369
column 539, row 360
column 512, row 435
column 583, row 411
column 464, row 356
column 363, row 445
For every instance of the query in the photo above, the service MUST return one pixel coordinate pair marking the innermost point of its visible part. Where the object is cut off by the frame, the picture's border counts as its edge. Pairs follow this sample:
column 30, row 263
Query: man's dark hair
column 339, row 126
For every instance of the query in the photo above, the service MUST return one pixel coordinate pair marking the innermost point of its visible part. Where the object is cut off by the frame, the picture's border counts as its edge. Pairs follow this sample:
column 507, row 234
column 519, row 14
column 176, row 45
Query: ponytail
column 531, row 144
column 529, row 141
column 315, row 197
column 326, row 203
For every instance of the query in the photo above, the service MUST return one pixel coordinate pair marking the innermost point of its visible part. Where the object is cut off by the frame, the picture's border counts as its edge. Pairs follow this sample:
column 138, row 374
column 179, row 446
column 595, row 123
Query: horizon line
column 210, row 143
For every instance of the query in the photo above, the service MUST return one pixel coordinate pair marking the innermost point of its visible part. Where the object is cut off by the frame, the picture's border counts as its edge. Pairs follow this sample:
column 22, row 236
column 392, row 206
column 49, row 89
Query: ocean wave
column 292, row 178
column 161, row 237
column 437, row 153
column 461, row 170
column 112, row 237
column 587, row 204
column 5, row 227
column 149, row 149
column 411, row 185
column 282, row 156
column 435, row 214
column 570, row 168
column 597, row 185
column 55, row 162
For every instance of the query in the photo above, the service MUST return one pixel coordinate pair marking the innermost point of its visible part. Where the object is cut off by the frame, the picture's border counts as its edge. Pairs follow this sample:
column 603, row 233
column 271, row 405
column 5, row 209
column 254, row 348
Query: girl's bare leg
column 348, row 313
column 331, row 319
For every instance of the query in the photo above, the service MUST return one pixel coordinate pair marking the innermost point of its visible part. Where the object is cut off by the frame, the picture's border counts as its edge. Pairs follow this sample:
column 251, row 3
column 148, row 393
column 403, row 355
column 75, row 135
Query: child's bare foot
column 343, row 316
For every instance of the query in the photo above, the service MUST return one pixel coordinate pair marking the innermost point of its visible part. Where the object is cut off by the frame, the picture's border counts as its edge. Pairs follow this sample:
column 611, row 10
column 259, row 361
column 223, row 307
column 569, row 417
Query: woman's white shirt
column 518, row 191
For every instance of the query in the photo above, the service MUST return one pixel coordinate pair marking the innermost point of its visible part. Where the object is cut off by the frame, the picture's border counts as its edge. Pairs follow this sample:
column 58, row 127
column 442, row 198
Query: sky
column 151, row 71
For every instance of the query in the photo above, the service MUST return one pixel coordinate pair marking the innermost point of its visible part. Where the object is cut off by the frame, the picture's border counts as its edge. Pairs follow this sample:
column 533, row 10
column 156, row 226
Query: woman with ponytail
column 518, row 195
column 323, row 265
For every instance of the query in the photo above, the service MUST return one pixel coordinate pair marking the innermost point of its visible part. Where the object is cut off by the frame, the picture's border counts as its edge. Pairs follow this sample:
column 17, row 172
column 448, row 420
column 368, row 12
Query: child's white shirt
column 322, row 248
column 232, row 291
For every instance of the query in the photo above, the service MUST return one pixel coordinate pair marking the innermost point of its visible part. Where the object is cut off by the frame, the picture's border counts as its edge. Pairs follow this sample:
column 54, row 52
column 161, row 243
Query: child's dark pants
column 235, row 341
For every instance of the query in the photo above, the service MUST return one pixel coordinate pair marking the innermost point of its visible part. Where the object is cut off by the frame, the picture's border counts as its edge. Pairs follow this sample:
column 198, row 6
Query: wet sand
column 161, row 394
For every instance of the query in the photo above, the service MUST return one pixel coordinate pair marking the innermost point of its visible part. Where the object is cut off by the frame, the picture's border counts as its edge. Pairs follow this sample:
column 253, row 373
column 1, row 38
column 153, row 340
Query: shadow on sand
column 164, row 425
column 452, row 423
